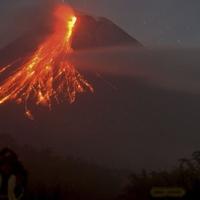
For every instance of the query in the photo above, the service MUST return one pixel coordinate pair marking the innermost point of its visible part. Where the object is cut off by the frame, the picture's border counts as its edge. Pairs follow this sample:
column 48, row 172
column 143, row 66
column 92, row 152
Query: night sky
column 153, row 22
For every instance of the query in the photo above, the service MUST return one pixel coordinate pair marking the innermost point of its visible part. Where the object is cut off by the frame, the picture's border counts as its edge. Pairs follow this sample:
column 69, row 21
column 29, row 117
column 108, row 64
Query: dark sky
column 153, row 22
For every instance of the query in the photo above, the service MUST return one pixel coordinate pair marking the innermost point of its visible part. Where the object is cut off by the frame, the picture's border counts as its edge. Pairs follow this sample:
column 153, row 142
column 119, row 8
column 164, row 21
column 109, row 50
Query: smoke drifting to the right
column 176, row 69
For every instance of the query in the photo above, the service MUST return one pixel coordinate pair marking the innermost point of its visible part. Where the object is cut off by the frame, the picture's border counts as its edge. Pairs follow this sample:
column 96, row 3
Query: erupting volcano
column 47, row 76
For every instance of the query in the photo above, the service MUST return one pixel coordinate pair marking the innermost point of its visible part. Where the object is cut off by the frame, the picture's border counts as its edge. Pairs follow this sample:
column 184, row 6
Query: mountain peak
column 94, row 32
column 90, row 32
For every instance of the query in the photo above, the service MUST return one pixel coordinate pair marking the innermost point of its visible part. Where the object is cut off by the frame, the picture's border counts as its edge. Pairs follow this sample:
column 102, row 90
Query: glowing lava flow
column 47, row 76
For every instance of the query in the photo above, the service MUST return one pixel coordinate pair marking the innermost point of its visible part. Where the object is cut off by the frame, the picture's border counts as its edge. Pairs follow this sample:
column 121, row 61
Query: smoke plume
column 22, row 16
column 169, row 68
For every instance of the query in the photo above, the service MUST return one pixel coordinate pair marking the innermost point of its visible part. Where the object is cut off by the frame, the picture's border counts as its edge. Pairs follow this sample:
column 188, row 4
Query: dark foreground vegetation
column 52, row 177
column 57, row 178
column 186, row 176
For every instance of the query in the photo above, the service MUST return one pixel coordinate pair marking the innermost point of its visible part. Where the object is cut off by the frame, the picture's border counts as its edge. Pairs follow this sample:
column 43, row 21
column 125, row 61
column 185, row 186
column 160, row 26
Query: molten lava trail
column 47, row 76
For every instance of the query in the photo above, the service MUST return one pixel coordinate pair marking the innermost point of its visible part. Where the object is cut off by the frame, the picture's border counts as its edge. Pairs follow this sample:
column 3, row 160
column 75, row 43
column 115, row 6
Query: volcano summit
column 44, row 76
column 93, row 32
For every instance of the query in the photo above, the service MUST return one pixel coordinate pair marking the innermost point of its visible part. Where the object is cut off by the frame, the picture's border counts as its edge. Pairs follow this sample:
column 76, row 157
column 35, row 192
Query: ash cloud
column 177, row 69
column 22, row 16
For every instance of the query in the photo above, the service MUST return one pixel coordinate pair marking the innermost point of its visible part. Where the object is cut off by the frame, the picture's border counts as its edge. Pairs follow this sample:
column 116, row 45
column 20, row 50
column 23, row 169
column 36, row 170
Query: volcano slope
column 124, row 124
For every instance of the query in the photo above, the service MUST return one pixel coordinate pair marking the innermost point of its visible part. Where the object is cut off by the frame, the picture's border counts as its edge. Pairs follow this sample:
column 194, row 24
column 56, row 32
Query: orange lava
column 47, row 76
